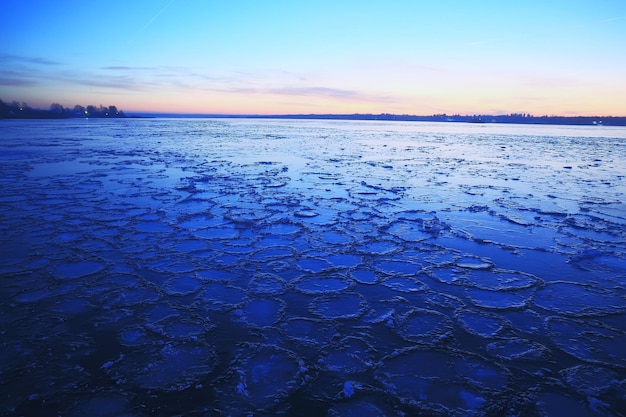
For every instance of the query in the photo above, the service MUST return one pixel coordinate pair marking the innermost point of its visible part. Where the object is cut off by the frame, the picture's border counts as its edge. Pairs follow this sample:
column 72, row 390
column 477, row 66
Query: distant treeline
column 520, row 118
column 16, row 110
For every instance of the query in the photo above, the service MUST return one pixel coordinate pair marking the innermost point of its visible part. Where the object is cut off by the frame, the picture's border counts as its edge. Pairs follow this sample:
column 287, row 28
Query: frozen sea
column 242, row 267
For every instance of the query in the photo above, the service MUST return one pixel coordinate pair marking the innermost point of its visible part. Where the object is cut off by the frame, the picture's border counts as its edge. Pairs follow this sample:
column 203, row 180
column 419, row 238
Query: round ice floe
column 170, row 266
column 321, row 283
column 409, row 231
column 440, row 381
column 276, row 266
column 518, row 350
column 497, row 279
column 307, row 331
column 158, row 312
column 592, row 379
column 481, row 323
column 217, row 275
column 589, row 340
column 306, row 213
column 77, row 269
column 313, row 265
column 364, row 276
column 332, row 237
column 338, row 306
column 221, row 296
column 222, row 232
column 441, row 259
column 595, row 260
column 394, row 267
column 405, row 284
column 499, row 300
column 348, row 356
column 261, row 312
column 481, row 373
column 469, row 262
column 202, row 221
column 442, row 300
column 133, row 296
column 180, row 328
column 247, row 215
column 525, row 320
column 182, row 285
column 447, row 275
column 575, row 299
column 174, row 367
column 259, row 378
column 424, row 326
column 280, row 229
column 266, row 284
column 272, row 253
column 380, row 247
column 342, row 260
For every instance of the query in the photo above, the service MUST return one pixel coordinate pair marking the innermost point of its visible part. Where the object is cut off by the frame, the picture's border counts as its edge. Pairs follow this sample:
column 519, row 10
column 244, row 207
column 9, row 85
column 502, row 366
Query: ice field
column 242, row 267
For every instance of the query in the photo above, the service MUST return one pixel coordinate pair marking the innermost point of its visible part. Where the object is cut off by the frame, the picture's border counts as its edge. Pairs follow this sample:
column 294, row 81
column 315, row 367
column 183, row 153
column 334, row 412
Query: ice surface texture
column 267, row 267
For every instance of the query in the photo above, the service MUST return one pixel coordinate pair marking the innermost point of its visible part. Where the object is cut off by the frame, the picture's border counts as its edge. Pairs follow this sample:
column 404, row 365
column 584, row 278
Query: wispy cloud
column 314, row 91
column 144, row 79
column 9, row 78
column 125, row 68
column 15, row 75
column 612, row 19
column 13, row 59
column 120, row 83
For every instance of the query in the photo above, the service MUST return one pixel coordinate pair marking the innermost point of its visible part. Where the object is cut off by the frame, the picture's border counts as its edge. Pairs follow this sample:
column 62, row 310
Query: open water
column 240, row 267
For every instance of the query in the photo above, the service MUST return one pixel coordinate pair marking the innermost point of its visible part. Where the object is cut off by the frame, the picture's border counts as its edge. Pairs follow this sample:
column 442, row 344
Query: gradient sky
column 268, row 57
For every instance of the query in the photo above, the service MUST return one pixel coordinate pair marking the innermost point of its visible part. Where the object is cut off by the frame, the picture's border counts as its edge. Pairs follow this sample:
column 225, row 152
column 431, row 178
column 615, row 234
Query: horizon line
column 524, row 115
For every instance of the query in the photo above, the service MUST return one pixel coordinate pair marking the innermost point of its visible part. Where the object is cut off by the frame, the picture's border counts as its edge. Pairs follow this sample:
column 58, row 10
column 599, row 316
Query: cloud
column 125, row 68
column 120, row 83
column 315, row 91
column 12, row 58
column 38, row 77
column 15, row 79
column 612, row 19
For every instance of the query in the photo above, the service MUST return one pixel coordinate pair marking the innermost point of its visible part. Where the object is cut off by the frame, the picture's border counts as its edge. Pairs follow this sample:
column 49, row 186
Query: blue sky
column 268, row 57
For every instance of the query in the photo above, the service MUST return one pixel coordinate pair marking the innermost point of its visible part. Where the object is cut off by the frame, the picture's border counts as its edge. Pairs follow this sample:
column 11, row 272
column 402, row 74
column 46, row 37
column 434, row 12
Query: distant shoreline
column 112, row 112
column 479, row 119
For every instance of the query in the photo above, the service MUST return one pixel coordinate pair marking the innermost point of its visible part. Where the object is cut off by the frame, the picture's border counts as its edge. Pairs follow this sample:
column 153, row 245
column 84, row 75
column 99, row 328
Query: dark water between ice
column 263, row 267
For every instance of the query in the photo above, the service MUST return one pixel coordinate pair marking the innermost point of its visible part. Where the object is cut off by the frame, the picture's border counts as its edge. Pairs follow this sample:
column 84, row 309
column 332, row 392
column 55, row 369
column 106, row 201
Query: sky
column 554, row 57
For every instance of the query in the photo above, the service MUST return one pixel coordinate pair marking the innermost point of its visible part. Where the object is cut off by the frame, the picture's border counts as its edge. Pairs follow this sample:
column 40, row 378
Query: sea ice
column 79, row 269
column 386, row 268
column 338, row 306
column 575, row 299
column 424, row 326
